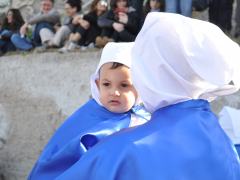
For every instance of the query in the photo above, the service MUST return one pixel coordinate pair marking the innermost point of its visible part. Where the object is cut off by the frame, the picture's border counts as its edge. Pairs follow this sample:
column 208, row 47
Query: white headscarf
column 112, row 52
column 176, row 58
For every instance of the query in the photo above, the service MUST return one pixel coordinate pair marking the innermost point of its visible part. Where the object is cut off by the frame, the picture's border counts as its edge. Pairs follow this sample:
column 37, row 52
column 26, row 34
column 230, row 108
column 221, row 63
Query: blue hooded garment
column 181, row 142
column 238, row 148
column 82, row 130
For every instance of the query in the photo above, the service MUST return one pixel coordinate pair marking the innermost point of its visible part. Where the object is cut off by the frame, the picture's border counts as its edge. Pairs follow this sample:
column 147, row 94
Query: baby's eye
column 106, row 84
column 124, row 85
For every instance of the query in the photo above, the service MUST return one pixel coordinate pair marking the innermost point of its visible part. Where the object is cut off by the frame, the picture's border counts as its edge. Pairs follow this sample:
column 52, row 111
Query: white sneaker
column 41, row 49
column 83, row 48
column 72, row 46
column 91, row 45
column 63, row 50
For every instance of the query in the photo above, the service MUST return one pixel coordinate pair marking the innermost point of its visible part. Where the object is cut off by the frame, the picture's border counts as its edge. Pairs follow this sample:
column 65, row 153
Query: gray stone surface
column 38, row 91
column 4, row 127
column 4, row 4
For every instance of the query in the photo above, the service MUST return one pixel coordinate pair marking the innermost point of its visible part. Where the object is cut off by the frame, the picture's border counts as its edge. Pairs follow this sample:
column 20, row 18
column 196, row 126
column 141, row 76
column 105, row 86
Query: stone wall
column 38, row 91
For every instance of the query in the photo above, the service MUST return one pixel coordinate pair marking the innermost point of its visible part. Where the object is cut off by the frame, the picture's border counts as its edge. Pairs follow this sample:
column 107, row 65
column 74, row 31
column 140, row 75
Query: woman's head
column 13, row 18
column 119, row 4
column 72, row 7
column 111, row 84
column 10, row 17
column 153, row 5
column 99, row 6
column 176, row 59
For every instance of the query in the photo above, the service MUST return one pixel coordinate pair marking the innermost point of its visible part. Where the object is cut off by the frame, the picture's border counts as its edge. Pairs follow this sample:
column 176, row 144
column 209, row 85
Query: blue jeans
column 6, row 34
column 183, row 7
column 36, row 33
column 21, row 43
column 5, row 43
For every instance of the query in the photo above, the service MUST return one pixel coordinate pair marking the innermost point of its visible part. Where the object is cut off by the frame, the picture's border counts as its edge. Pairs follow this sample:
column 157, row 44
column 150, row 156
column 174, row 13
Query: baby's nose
column 116, row 92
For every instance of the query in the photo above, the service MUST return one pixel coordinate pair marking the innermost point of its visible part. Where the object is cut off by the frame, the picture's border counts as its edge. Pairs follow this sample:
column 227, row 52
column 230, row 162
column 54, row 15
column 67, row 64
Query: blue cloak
column 82, row 130
column 181, row 142
column 238, row 148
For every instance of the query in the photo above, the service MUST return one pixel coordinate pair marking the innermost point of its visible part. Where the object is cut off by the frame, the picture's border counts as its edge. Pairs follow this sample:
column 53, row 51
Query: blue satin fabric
column 238, row 149
column 87, row 126
column 180, row 142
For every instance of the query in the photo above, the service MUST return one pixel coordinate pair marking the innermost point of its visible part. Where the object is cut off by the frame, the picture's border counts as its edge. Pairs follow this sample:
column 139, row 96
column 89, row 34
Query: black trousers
column 237, row 17
column 220, row 13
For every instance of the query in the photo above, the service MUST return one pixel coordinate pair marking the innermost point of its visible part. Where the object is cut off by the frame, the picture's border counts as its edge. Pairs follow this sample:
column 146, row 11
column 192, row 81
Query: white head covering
column 176, row 59
column 112, row 52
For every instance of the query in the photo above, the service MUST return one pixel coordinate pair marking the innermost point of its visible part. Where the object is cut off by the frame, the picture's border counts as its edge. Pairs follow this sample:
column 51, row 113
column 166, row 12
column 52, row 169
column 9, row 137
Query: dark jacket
column 130, row 29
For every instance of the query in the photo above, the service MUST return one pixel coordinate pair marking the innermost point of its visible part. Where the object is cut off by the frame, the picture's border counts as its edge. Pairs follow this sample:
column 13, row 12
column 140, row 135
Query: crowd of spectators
column 106, row 21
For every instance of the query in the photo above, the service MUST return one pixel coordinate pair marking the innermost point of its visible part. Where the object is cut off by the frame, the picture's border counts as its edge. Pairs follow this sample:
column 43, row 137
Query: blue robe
column 181, row 142
column 238, row 148
column 82, row 130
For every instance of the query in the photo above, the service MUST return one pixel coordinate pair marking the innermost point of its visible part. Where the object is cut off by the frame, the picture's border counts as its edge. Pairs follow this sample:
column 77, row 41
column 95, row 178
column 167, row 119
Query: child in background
column 111, row 109
column 86, row 35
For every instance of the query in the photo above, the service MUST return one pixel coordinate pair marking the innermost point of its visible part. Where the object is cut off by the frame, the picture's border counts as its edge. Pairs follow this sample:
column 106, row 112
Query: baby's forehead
column 111, row 66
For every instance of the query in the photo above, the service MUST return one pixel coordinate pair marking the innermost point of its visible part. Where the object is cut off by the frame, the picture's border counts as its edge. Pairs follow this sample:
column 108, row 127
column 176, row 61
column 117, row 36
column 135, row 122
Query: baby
column 111, row 109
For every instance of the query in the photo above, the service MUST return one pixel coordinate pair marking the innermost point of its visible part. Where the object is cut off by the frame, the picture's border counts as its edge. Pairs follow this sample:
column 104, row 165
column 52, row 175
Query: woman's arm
column 106, row 20
column 51, row 17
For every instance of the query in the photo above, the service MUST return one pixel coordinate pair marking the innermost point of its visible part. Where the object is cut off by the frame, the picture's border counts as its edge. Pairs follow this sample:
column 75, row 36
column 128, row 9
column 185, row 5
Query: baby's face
column 117, row 93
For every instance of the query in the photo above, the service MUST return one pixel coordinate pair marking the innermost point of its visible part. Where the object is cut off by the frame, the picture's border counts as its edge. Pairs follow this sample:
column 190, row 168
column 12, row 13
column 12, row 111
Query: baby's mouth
column 114, row 102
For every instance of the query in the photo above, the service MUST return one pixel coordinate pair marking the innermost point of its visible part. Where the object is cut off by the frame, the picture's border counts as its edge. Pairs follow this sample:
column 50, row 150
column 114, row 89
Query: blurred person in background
column 44, row 24
column 152, row 6
column 220, row 13
column 138, row 5
column 237, row 19
column 70, row 25
column 10, row 25
column 119, row 24
column 88, row 29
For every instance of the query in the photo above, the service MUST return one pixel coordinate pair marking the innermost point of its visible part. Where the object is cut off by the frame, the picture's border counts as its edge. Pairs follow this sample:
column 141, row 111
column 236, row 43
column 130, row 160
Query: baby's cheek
column 131, row 99
column 101, row 99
